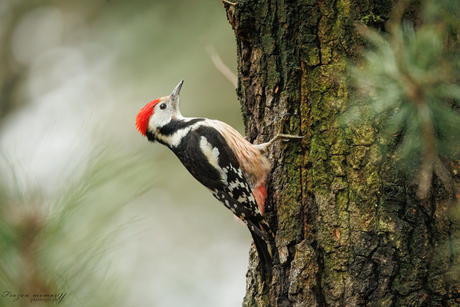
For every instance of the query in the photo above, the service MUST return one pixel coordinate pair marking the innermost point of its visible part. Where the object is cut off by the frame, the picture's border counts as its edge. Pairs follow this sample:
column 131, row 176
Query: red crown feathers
column 142, row 118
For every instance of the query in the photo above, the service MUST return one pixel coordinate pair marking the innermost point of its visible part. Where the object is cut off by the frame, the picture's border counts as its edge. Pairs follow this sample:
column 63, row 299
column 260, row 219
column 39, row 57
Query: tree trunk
column 350, row 230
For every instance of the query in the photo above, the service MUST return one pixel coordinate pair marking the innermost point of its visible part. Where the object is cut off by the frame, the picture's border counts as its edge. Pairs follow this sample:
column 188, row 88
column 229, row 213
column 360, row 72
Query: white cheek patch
column 160, row 117
column 212, row 154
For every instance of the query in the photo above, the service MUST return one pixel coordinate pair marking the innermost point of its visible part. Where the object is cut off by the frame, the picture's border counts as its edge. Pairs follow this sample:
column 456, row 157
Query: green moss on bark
column 349, row 229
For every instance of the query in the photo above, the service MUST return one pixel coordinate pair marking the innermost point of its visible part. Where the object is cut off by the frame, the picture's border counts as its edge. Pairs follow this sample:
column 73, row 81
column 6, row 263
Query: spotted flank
column 238, row 189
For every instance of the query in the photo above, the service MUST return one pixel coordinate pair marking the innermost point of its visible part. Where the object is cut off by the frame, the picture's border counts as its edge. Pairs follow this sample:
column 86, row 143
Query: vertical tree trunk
column 350, row 230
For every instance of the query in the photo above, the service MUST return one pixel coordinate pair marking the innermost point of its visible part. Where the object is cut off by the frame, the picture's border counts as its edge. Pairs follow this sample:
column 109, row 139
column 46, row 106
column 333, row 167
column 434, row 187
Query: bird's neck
column 173, row 132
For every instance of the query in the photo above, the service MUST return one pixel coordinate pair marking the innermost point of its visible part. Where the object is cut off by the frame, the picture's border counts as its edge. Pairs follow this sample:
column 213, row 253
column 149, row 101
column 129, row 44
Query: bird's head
column 159, row 112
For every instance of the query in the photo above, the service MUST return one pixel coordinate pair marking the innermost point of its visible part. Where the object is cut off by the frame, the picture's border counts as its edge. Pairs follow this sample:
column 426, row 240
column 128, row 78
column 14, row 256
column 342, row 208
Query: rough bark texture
column 349, row 228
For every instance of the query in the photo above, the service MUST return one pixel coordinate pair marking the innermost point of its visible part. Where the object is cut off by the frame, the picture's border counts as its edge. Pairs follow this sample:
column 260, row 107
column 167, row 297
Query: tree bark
column 350, row 230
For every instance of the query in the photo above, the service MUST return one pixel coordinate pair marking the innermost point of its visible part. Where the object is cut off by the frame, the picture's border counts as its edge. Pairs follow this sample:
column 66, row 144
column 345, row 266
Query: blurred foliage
column 73, row 67
column 153, row 42
column 410, row 79
column 13, row 72
column 62, row 244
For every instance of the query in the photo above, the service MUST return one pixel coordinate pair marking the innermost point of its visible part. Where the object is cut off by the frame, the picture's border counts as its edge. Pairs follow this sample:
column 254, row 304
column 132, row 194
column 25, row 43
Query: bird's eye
column 163, row 106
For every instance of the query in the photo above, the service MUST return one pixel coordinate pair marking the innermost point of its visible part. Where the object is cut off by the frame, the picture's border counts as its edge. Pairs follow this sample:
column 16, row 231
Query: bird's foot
column 280, row 136
column 228, row 2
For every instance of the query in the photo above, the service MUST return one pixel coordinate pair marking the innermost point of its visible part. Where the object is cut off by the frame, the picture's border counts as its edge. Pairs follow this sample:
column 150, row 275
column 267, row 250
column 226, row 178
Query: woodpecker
column 230, row 167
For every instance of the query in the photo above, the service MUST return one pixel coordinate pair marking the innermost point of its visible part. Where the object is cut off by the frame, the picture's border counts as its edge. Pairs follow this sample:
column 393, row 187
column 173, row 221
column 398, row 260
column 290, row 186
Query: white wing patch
column 212, row 154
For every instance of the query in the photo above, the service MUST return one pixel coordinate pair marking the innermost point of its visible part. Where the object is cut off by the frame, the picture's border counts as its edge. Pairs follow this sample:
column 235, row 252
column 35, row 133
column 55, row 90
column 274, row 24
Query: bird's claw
column 286, row 137
column 228, row 2
column 279, row 126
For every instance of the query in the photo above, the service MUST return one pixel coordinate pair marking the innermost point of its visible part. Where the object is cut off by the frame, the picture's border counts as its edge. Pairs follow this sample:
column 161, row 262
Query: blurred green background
column 74, row 216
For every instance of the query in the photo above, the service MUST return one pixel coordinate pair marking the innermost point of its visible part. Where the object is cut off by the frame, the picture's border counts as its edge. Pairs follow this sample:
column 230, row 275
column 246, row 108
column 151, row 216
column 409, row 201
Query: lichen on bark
column 350, row 230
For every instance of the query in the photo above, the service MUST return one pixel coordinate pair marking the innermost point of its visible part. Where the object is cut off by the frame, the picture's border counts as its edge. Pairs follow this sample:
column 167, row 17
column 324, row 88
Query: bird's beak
column 175, row 94
column 176, row 91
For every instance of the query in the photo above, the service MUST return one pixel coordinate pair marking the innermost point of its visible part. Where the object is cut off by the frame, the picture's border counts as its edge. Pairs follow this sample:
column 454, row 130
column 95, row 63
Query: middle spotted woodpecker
column 233, row 169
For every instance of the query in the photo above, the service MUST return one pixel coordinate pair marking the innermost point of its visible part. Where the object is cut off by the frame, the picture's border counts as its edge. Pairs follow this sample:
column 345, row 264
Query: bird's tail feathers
column 263, row 247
